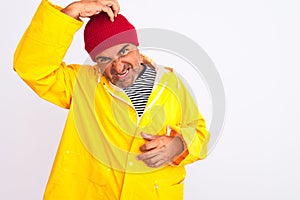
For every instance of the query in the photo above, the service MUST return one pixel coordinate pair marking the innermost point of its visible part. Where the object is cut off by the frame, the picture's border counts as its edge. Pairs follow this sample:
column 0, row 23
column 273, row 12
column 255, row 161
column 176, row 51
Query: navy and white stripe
column 141, row 89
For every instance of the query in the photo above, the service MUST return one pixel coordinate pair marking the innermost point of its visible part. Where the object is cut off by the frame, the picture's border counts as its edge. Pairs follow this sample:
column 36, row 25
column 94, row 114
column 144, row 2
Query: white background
column 255, row 46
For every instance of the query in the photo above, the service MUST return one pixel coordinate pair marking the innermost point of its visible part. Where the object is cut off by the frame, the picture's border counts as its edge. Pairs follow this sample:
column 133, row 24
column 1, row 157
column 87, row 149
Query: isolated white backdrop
column 255, row 46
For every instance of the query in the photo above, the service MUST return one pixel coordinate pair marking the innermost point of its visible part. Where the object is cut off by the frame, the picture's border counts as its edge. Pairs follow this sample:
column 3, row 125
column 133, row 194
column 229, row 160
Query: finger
column 158, row 160
column 157, row 164
column 148, row 155
column 147, row 136
column 159, row 143
column 149, row 146
column 109, row 12
column 115, row 6
column 156, row 142
column 116, row 9
column 153, row 161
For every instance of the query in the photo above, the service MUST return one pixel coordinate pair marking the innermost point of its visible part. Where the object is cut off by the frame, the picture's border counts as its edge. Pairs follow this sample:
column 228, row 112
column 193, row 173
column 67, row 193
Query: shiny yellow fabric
column 96, row 156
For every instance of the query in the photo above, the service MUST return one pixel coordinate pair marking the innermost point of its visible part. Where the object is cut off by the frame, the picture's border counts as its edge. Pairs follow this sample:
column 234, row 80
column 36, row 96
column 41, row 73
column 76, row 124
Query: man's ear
column 140, row 59
column 148, row 61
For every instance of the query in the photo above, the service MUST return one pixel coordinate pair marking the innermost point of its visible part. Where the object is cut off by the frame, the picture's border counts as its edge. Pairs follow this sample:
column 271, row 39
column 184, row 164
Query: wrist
column 180, row 144
column 72, row 10
column 182, row 151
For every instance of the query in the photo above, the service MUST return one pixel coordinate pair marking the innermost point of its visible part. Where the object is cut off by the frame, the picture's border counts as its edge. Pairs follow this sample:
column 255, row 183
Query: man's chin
column 124, row 84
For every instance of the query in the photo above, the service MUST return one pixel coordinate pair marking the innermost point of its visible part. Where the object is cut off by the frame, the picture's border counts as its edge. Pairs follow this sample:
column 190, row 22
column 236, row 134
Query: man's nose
column 117, row 65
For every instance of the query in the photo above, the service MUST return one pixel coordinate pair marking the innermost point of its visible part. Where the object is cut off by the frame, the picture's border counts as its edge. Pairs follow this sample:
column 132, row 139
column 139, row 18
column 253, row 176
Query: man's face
column 120, row 64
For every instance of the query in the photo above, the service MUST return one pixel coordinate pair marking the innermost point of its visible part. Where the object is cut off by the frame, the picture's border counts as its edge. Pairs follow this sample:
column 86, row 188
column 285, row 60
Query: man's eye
column 103, row 60
column 124, row 51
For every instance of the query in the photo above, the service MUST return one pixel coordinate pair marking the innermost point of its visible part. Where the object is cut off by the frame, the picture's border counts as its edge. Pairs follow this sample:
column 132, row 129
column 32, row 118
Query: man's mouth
column 122, row 75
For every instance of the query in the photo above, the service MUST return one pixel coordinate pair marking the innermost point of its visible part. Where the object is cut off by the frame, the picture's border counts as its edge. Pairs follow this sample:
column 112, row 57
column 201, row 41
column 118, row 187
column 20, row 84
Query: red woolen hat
column 100, row 33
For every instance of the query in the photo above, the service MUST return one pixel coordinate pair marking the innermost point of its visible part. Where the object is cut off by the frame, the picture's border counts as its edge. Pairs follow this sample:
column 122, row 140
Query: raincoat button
column 67, row 151
column 130, row 163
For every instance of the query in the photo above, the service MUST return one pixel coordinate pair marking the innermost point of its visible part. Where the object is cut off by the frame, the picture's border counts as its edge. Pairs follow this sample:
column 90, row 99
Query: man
column 131, row 127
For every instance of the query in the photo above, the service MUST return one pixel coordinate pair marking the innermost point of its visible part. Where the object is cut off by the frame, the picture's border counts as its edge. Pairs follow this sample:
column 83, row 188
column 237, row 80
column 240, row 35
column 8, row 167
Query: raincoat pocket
column 85, row 168
column 174, row 192
column 171, row 188
column 79, row 178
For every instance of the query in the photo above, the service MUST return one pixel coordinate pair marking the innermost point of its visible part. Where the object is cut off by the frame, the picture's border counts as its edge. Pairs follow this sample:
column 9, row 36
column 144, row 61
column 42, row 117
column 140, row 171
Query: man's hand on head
column 160, row 150
column 88, row 8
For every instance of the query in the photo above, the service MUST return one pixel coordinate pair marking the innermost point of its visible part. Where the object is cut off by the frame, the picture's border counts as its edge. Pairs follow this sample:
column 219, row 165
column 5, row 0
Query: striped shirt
column 141, row 89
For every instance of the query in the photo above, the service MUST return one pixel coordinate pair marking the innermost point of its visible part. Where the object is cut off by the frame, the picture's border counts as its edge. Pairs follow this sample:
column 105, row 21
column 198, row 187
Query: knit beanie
column 100, row 33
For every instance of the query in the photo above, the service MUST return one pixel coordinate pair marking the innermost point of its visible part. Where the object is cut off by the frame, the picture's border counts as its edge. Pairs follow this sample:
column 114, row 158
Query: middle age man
column 132, row 126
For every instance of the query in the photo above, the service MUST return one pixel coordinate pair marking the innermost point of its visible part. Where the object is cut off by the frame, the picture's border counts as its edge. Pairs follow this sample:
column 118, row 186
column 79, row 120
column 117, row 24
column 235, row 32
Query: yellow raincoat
column 96, row 155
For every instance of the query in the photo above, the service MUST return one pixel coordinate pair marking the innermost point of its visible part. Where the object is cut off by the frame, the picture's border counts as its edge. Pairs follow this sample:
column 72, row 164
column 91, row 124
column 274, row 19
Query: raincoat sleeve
column 38, row 57
column 192, row 129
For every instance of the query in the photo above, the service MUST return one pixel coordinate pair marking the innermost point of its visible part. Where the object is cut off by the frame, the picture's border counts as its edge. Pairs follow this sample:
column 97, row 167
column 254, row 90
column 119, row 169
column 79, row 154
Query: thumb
column 147, row 136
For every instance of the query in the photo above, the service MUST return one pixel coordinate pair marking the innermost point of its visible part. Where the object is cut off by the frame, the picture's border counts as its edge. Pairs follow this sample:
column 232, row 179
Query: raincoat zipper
column 147, row 108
